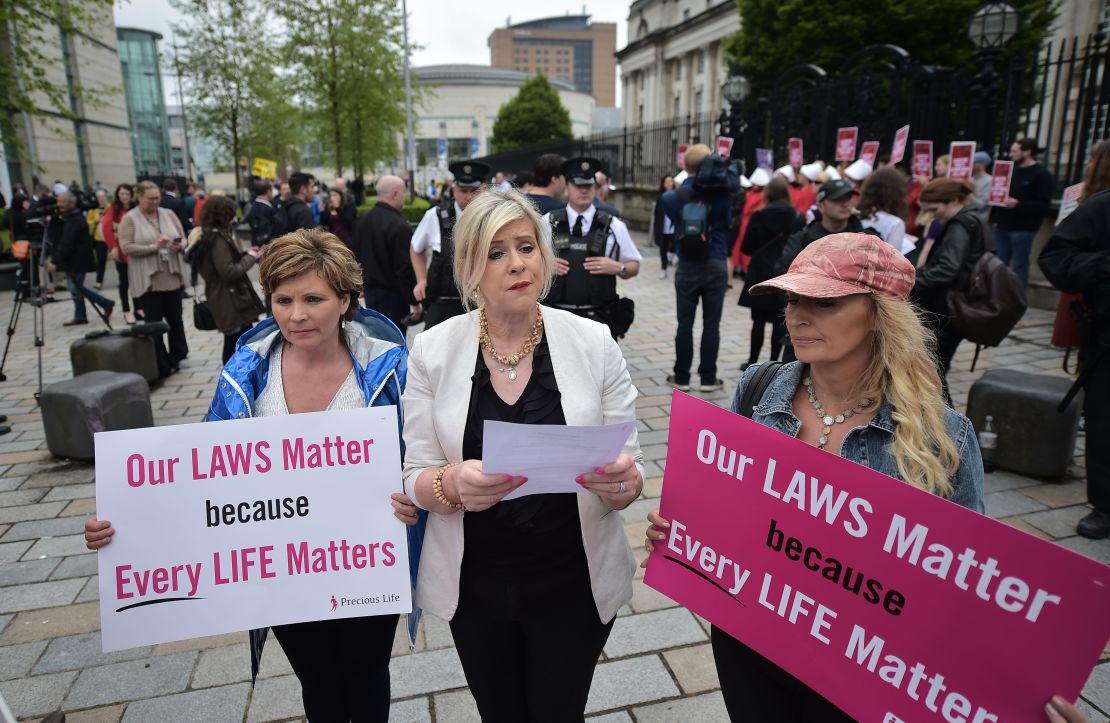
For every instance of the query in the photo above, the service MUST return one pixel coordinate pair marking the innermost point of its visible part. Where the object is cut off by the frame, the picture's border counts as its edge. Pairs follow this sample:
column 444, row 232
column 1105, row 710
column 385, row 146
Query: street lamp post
column 735, row 91
column 992, row 26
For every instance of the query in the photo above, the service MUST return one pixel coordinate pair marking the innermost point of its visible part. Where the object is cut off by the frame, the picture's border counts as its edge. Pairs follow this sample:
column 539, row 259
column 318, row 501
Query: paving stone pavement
column 657, row 665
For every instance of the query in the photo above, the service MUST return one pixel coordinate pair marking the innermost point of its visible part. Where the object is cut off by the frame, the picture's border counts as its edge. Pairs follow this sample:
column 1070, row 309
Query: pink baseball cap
column 843, row 264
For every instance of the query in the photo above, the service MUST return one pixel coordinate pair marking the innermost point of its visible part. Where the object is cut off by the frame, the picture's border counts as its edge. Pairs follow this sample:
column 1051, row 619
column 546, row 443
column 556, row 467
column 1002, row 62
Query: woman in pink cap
column 865, row 387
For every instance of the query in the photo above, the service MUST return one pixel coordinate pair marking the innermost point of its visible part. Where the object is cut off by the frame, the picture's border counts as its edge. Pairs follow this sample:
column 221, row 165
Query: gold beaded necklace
column 511, row 361
column 828, row 420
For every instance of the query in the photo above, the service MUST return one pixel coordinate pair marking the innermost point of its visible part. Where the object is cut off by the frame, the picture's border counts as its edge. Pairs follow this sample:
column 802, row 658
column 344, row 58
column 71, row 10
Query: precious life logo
column 334, row 603
column 891, row 718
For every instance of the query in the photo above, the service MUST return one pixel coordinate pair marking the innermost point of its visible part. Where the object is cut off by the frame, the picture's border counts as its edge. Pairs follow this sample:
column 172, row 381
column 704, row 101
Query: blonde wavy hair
column 903, row 371
column 489, row 212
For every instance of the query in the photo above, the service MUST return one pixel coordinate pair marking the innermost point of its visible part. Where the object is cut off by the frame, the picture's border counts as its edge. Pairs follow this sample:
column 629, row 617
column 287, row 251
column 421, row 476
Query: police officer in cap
column 592, row 248
column 435, row 282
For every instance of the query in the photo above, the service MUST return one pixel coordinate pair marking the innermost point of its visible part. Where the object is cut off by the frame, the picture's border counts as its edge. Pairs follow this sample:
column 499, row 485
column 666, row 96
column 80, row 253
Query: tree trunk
column 333, row 86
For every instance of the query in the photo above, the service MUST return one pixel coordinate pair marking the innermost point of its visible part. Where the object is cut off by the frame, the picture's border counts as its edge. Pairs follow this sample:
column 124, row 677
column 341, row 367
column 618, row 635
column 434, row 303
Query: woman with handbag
column 763, row 241
column 109, row 229
column 231, row 303
column 946, row 261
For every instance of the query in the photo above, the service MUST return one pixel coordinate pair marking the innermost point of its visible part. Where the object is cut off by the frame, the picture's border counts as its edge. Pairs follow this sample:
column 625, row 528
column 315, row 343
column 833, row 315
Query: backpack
column 717, row 174
column 986, row 308
column 279, row 222
column 753, row 393
column 693, row 230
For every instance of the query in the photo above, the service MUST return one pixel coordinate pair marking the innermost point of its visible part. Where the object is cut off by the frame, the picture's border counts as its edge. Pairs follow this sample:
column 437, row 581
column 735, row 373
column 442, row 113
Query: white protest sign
column 235, row 525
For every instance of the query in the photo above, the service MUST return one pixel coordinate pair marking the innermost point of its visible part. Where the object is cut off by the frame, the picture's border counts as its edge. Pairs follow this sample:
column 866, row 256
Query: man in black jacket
column 296, row 212
column 381, row 240
column 71, row 251
column 260, row 216
column 1016, row 224
column 173, row 203
column 1077, row 260
column 837, row 216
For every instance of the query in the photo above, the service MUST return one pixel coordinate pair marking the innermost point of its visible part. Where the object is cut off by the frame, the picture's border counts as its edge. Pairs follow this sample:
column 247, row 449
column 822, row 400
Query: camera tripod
column 26, row 291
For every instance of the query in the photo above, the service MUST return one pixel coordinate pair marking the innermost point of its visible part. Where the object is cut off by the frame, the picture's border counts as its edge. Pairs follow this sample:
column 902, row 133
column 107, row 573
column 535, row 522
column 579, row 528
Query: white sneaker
column 672, row 257
column 663, row 274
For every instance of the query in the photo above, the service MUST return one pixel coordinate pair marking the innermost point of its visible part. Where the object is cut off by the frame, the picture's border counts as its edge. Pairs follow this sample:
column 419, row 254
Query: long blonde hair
column 903, row 371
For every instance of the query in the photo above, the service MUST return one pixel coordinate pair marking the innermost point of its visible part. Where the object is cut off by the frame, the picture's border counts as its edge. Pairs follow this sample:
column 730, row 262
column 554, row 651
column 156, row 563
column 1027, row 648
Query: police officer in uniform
column 435, row 282
column 592, row 248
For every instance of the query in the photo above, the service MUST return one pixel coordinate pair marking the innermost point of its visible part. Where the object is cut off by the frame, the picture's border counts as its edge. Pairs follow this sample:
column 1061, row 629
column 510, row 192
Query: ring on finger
column 620, row 489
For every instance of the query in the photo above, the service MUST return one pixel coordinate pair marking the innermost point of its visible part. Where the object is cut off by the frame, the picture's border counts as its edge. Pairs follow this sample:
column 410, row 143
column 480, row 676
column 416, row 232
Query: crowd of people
column 531, row 586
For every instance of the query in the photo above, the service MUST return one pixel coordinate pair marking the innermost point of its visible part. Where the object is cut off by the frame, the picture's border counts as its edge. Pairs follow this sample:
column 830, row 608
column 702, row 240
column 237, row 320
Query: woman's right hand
column 114, row 253
column 98, row 533
column 656, row 533
column 1059, row 710
column 477, row 490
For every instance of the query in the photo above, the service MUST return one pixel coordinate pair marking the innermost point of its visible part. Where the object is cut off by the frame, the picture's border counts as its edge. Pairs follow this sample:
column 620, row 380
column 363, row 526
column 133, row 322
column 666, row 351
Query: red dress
column 753, row 201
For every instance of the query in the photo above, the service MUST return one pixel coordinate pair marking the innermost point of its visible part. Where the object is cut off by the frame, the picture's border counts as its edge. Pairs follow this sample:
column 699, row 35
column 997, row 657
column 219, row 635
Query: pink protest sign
column 960, row 154
column 680, row 154
column 868, row 152
column 923, row 159
column 898, row 150
column 1000, row 182
column 724, row 146
column 891, row 602
column 796, row 157
column 1069, row 201
column 846, row 143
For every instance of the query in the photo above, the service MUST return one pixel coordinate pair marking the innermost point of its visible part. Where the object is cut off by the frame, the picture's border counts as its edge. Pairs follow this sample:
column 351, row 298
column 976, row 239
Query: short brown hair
column 308, row 250
column 777, row 191
column 945, row 190
column 217, row 213
column 884, row 190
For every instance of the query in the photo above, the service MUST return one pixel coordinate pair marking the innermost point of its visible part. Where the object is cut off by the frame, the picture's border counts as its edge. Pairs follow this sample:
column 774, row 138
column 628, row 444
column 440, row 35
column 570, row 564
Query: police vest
column 441, row 272
column 580, row 288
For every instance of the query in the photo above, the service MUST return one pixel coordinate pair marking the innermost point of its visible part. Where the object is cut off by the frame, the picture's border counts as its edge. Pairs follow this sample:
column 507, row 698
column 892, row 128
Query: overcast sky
column 447, row 33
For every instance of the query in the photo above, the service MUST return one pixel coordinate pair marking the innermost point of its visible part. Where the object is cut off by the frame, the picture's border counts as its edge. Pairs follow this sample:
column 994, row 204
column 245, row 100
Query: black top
column 545, row 204
column 764, row 241
column 381, row 241
column 1032, row 187
column 1077, row 257
column 533, row 537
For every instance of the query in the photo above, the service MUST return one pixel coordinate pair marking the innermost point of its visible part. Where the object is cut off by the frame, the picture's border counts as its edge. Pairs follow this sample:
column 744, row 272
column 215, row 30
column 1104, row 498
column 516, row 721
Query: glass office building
column 146, row 106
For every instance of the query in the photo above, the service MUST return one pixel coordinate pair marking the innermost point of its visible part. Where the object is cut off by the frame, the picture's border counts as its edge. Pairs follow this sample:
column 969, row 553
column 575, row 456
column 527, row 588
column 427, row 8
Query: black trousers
column 526, row 661
column 757, row 690
column 666, row 245
column 1096, row 392
column 100, row 250
column 760, row 318
column 343, row 667
column 948, row 341
column 166, row 306
column 437, row 311
column 124, row 294
column 231, row 339
column 387, row 302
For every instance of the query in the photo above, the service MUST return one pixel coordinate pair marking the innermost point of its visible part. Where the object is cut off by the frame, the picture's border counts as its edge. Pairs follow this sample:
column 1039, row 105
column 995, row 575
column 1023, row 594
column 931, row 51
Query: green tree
column 777, row 34
column 31, row 31
column 345, row 59
column 228, row 71
column 533, row 116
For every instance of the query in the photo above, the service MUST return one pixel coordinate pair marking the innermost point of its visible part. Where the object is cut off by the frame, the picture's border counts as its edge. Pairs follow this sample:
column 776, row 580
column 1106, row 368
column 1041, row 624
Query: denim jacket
column 868, row 445
column 380, row 358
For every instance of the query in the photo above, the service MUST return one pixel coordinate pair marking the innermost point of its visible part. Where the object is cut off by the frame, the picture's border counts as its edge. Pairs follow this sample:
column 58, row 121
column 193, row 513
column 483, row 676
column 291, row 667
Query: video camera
column 47, row 206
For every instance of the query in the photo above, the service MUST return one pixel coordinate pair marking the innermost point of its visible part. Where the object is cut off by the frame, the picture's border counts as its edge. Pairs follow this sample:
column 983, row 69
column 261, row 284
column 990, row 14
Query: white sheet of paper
column 551, row 456
column 909, row 243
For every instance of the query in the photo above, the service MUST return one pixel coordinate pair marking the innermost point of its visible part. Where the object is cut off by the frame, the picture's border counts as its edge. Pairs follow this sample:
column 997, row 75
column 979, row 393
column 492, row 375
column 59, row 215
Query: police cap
column 469, row 174
column 580, row 171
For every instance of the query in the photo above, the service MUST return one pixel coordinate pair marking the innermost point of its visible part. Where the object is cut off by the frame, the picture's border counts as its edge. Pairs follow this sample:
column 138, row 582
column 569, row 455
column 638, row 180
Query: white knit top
column 271, row 402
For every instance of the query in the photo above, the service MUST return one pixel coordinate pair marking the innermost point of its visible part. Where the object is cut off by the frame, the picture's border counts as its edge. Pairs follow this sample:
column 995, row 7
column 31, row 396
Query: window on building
column 641, row 29
column 677, row 106
column 700, row 59
column 678, row 70
column 686, row 14
column 640, row 114
column 697, row 102
column 641, row 74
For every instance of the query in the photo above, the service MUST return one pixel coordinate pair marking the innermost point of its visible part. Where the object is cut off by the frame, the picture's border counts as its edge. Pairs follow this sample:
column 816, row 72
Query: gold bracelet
column 437, row 489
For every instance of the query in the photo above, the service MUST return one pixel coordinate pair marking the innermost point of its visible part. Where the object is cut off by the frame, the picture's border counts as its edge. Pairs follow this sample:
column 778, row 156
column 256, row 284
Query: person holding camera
column 1077, row 260
column 71, row 251
column 153, row 238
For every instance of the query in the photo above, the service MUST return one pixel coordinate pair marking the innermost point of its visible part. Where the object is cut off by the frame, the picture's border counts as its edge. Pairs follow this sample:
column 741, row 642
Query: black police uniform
column 441, row 300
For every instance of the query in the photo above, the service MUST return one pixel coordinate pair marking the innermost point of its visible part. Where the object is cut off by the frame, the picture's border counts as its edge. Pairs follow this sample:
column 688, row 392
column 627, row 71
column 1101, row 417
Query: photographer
column 71, row 251
column 1077, row 260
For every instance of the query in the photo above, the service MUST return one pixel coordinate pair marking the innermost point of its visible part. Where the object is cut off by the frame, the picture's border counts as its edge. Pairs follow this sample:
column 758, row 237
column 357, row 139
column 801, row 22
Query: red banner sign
column 846, row 143
column 724, row 146
column 923, row 159
column 898, row 150
column 1000, row 182
column 868, row 152
column 960, row 154
column 796, row 157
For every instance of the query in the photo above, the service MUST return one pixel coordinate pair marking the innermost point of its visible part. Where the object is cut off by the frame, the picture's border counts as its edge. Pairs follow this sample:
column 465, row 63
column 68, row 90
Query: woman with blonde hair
column 531, row 586
column 318, row 352
column 864, row 388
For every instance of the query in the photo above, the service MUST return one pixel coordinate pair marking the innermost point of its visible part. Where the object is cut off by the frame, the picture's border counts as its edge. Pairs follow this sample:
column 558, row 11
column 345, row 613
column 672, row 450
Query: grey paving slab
column 428, row 672
column 628, row 682
column 4, row 620
column 21, row 497
column 228, row 703
column 220, row 666
column 437, row 633
column 57, row 547
column 62, row 476
column 17, row 598
column 75, row 566
column 275, row 699
column 44, row 528
column 1094, row 549
column 70, row 492
column 456, row 707
column 12, row 551
column 657, row 630
column 1093, row 714
column 38, row 695
column 1009, row 503
column 16, row 660
column 1059, row 522
column 415, row 710
column 706, row 707
column 14, row 573
column 136, row 679
column 91, row 590
column 74, row 652
column 7, row 484
column 621, row 717
column 1097, row 690
column 1001, row 480
column 41, row 511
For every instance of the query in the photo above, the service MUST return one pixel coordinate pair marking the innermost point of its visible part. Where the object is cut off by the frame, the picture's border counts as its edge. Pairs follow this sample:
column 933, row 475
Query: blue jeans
column 706, row 281
column 1015, row 245
column 75, row 282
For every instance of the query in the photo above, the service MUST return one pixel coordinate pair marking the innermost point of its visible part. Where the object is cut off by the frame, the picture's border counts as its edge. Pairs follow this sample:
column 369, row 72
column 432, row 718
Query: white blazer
column 595, row 388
